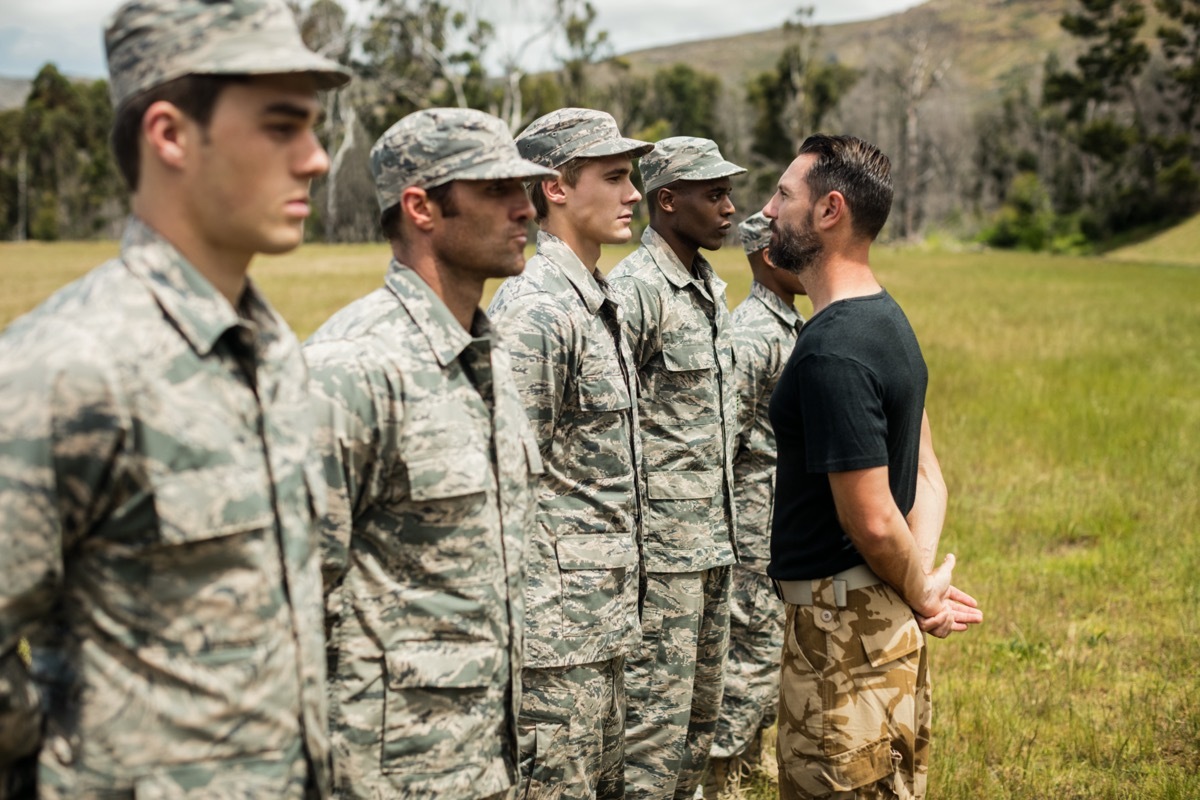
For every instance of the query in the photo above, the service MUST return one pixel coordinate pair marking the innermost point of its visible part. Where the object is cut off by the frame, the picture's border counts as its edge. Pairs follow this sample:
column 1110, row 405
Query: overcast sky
column 68, row 32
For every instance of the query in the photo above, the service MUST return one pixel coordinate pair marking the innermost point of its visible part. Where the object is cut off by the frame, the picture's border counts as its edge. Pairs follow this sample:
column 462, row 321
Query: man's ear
column 168, row 134
column 665, row 198
column 831, row 210
column 554, row 191
column 415, row 204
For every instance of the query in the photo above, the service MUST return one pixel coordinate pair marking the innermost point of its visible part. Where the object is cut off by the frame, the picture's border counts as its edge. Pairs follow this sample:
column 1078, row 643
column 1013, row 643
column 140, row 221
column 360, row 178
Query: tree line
column 1101, row 145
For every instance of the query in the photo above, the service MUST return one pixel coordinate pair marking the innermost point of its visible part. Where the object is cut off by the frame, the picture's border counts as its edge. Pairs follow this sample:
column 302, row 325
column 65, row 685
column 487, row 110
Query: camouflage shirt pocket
column 444, row 706
column 601, row 393
column 596, row 571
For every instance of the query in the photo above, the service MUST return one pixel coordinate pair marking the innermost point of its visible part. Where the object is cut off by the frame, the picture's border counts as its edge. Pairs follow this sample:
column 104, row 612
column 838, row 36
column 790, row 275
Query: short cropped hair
column 568, row 173
column 389, row 219
column 194, row 95
column 856, row 169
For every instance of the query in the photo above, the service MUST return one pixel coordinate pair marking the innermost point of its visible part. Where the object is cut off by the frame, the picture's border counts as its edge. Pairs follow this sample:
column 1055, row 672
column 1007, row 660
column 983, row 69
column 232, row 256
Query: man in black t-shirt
column 860, row 498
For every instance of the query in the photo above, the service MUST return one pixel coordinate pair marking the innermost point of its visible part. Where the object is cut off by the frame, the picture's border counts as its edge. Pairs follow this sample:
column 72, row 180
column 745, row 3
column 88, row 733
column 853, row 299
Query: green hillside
column 1177, row 245
column 989, row 44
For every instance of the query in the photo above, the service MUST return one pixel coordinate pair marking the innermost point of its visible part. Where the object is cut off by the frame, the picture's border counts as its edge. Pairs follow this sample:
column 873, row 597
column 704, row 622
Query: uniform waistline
column 799, row 593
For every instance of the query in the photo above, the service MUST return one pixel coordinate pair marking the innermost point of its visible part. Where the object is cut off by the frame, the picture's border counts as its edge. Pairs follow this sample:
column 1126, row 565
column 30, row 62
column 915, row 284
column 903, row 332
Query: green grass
column 1065, row 399
column 1179, row 244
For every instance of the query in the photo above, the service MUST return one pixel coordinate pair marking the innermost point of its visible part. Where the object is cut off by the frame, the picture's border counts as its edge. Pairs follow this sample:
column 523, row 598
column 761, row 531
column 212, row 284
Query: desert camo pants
column 571, row 732
column 854, row 708
column 674, row 683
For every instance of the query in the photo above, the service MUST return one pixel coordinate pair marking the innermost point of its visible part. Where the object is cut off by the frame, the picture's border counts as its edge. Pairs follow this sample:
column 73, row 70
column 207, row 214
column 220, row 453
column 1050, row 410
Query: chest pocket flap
column 596, row 551
column 603, row 393
column 687, row 356
column 439, row 475
column 445, row 664
column 211, row 503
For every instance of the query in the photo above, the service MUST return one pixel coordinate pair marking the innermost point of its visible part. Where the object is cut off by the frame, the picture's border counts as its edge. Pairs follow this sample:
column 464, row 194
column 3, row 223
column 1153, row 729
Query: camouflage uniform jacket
column 572, row 365
column 764, row 332
column 678, row 328
column 157, row 504
column 430, row 464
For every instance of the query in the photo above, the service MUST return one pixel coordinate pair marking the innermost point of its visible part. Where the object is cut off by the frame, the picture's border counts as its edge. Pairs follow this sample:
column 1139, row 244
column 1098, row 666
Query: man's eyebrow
column 287, row 109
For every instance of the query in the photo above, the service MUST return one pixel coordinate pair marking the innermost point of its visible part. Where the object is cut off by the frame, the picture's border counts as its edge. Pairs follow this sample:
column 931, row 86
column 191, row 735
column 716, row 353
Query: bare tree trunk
column 349, row 117
column 22, row 195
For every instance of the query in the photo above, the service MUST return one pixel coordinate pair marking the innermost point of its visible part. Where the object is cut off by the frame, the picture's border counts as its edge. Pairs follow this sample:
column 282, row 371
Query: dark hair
column 389, row 218
column 568, row 173
column 856, row 169
column 194, row 95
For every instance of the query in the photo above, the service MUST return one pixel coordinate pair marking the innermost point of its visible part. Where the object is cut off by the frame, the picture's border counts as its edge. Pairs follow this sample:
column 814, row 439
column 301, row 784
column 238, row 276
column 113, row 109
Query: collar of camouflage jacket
column 445, row 336
column 676, row 271
column 556, row 251
column 198, row 310
column 787, row 314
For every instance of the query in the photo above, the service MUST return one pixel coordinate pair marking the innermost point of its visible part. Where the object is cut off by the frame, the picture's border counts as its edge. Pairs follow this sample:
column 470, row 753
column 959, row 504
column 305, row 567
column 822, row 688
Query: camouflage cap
column 755, row 231
column 438, row 145
column 555, row 138
column 685, row 158
column 151, row 42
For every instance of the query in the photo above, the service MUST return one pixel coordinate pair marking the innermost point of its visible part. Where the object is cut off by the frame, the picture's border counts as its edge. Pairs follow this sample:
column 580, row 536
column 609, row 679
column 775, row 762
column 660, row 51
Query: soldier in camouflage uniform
column 764, row 330
column 860, row 498
column 431, row 466
column 573, row 367
column 678, row 325
column 157, row 496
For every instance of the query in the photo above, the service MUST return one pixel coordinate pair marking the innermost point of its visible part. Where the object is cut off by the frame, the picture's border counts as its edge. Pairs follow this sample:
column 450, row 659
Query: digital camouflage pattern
column 678, row 328
column 572, row 731
column 764, row 332
column 574, row 370
column 684, row 158
column 854, row 708
column 755, row 233
column 151, row 42
column 679, row 333
column 437, row 145
column 157, row 502
column 674, row 683
column 555, row 138
column 430, row 464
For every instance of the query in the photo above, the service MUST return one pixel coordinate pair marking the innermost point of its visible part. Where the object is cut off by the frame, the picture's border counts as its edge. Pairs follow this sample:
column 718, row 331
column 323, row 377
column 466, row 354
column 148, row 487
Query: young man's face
column 247, row 177
column 703, row 210
column 481, row 232
column 795, row 244
column 600, row 205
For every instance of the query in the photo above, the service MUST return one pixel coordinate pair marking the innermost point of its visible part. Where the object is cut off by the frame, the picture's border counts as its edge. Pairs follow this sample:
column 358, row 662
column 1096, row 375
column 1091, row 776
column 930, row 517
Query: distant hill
column 990, row 44
column 1177, row 245
column 13, row 92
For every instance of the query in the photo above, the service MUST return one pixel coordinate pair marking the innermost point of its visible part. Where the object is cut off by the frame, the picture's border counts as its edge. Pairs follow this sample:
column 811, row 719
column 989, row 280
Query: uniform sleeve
column 539, row 339
column 60, row 429
column 639, row 317
column 749, row 366
column 348, row 436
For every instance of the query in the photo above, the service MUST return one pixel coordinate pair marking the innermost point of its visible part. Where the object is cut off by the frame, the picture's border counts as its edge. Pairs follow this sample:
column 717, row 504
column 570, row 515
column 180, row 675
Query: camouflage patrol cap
column 438, row 145
column 554, row 139
column 755, row 231
column 685, row 158
column 151, row 42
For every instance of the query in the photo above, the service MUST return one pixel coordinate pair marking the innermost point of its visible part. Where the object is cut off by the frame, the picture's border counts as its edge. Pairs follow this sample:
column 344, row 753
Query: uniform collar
column 447, row 339
column 675, row 270
column 198, row 310
column 787, row 315
column 589, row 286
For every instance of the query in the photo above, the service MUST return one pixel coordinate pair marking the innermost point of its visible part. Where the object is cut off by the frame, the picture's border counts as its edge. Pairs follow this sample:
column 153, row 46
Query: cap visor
column 616, row 147
column 502, row 169
column 328, row 73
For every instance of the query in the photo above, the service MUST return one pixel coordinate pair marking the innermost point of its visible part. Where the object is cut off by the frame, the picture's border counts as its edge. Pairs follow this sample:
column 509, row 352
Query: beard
column 795, row 249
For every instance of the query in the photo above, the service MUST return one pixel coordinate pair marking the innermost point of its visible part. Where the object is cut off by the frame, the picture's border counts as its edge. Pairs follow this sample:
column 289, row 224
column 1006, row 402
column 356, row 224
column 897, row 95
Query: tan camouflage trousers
column 854, row 706
column 674, row 683
column 571, row 732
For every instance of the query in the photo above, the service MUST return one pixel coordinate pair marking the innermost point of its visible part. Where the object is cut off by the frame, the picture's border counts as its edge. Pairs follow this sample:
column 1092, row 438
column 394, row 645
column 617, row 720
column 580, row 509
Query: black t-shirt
column 851, row 397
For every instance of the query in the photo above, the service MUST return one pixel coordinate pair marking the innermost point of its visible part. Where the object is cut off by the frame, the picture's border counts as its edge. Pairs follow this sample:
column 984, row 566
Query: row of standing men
column 523, row 572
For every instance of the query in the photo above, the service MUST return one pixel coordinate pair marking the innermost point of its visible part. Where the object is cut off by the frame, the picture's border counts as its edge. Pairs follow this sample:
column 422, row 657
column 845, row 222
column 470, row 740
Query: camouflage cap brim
column 708, row 172
column 618, row 147
column 241, row 61
column 685, row 158
column 506, row 166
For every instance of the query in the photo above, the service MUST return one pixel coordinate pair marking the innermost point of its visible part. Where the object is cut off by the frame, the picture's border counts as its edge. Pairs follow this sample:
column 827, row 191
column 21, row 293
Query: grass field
column 1065, row 401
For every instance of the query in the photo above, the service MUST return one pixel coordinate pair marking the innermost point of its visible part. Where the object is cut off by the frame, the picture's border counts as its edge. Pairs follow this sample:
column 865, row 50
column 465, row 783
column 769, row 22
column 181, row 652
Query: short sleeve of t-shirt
column 844, row 423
